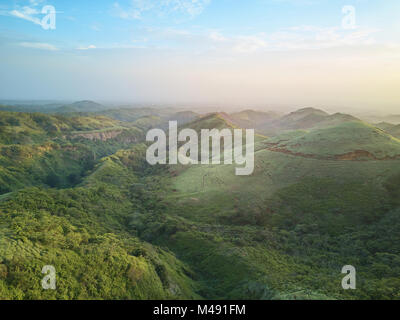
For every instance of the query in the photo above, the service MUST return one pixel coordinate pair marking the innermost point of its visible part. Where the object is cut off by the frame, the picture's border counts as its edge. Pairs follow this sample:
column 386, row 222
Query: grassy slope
column 306, row 118
column 38, row 149
column 341, row 139
column 282, row 233
column 390, row 128
column 269, row 230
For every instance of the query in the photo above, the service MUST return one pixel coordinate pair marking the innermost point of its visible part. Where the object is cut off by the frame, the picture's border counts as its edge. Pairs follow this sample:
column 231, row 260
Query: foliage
column 115, row 227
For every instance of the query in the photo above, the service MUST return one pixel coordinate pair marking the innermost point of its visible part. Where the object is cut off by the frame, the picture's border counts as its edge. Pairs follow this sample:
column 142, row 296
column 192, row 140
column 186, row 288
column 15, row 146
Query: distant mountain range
column 81, row 106
column 266, row 121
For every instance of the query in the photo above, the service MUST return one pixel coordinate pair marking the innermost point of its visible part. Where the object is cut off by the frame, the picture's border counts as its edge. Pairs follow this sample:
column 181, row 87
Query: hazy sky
column 250, row 52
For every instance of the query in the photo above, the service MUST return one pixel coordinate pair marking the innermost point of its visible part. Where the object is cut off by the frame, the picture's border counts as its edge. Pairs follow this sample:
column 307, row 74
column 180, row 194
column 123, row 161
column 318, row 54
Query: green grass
column 297, row 207
column 341, row 139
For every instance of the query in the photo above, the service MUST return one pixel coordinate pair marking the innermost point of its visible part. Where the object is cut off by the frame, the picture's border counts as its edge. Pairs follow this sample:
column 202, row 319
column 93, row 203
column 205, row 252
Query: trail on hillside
column 356, row 155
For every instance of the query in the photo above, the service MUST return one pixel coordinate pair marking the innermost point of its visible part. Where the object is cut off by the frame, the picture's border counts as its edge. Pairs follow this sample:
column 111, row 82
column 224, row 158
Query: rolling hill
column 81, row 106
column 305, row 118
column 133, row 114
column 52, row 150
column 346, row 141
column 252, row 119
column 390, row 128
column 311, row 201
column 78, row 193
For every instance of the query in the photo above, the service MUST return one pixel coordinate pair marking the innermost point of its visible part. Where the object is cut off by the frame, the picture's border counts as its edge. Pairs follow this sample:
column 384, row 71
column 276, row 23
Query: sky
column 330, row 53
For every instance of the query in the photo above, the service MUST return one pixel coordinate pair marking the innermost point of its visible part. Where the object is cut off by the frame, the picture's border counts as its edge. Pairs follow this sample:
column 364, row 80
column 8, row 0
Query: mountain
column 346, row 141
column 218, row 120
column 324, row 193
column 132, row 114
column 305, row 118
column 92, row 226
column 52, row 150
column 183, row 117
column 385, row 125
column 34, row 107
column 301, row 114
column 252, row 119
column 147, row 118
column 390, row 128
column 81, row 106
column 305, row 187
column 391, row 118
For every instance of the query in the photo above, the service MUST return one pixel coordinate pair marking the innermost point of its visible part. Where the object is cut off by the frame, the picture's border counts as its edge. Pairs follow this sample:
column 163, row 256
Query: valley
column 77, row 192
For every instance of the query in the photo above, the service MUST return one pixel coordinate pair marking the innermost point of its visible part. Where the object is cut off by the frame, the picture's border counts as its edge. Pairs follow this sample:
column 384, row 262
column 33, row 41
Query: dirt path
column 356, row 155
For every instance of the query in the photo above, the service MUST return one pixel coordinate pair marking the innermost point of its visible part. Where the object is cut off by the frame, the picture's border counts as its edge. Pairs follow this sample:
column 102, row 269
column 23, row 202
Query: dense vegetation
column 77, row 193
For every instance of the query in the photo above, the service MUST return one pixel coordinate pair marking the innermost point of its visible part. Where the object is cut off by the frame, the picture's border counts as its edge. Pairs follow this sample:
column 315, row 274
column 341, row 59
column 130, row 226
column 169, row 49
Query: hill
column 218, row 120
column 346, row 141
column 56, row 151
column 183, row 117
column 43, row 107
column 390, row 128
column 250, row 231
column 56, row 107
column 78, row 189
column 391, row 118
column 306, row 118
column 133, row 114
column 81, row 106
column 252, row 119
column 146, row 118
column 87, row 234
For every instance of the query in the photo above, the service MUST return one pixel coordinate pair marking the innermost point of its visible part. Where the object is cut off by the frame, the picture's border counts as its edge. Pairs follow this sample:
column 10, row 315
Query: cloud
column 162, row 7
column 28, row 12
column 298, row 38
column 191, row 7
column 286, row 39
column 38, row 45
column 87, row 48
column 130, row 13
column 294, row 38
column 312, row 37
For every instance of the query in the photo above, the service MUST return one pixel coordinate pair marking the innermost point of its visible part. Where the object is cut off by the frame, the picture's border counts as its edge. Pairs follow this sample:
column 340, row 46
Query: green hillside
column 132, row 114
column 306, row 118
column 81, row 106
column 55, row 151
column 84, row 232
column 147, row 118
column 346, row 141
column 277, row 221
column 253, row 119
column 77, row 193
column 390, row 128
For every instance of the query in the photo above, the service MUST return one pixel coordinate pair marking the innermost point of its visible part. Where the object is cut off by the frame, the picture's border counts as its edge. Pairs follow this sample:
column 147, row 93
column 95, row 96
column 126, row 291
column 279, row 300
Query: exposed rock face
column 120, row 135
column 103, row 136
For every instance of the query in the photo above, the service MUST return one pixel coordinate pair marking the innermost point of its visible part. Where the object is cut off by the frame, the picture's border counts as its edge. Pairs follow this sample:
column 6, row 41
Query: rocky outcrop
column 101, row 135
column 120, row 135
